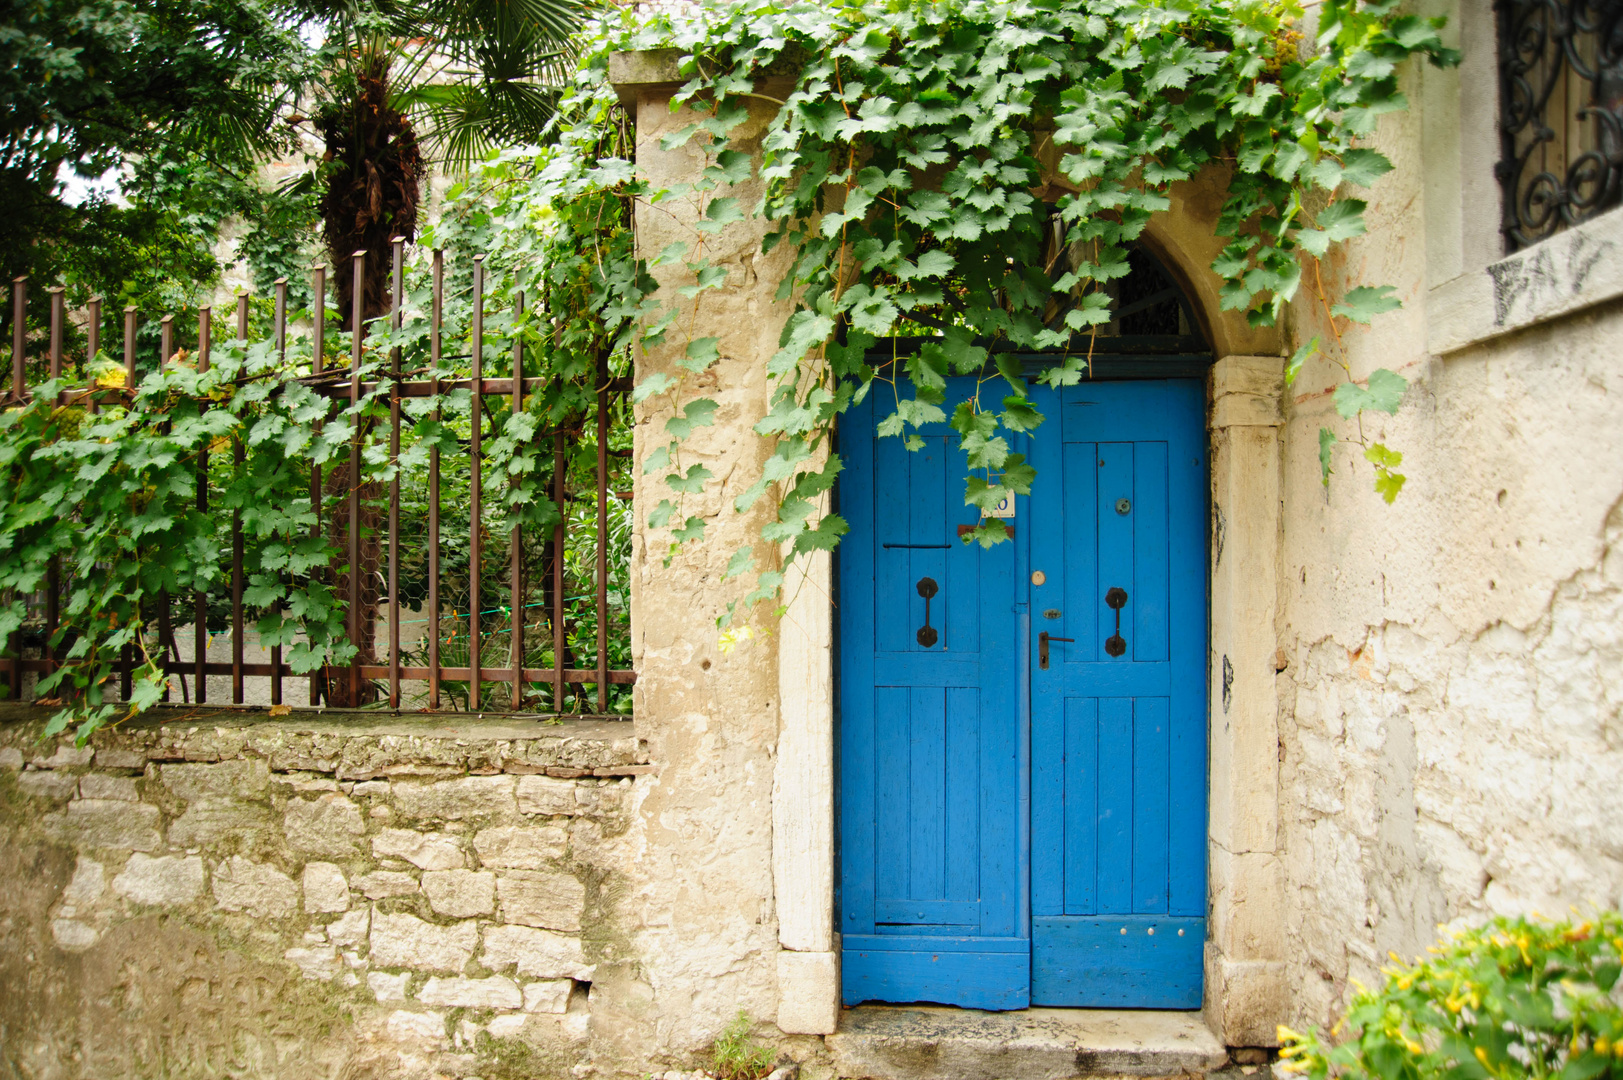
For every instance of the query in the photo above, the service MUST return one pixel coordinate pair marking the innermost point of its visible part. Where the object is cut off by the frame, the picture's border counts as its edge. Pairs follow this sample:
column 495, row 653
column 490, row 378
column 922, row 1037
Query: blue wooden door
column 1013, row 833
column 1118, row 736
column 932, row 904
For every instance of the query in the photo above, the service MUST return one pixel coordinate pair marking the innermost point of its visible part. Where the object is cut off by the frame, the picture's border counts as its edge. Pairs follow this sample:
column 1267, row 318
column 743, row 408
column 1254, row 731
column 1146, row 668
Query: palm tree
column 472, row 75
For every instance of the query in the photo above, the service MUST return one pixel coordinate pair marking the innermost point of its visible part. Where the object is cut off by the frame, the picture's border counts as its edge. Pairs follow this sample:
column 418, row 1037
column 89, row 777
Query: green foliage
column 126, row 480
column 736, row 1055
column 898, row 176
column 1518, row 998
column 123, row 481
column 900, row 170
column 92, row 86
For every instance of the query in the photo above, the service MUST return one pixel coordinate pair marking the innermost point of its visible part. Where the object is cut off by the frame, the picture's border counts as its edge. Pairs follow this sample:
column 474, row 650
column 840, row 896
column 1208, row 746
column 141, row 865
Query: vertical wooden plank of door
column 1079, row 805
column 892, row 859
column 1049, row 853
column 927, row 792
column 1115, row 811
column 1115, row 549
column 962, row 839
column 927, row 524
column 891, row 506
column 857, row 735
column 1083, row 592
column 1150, row 804
column 1148, row 516
column 1186, row 519
column 1053, row 534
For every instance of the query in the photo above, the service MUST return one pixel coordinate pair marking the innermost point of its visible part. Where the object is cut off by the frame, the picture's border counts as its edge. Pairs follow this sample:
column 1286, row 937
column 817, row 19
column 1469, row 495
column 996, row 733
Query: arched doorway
column 1022, row 747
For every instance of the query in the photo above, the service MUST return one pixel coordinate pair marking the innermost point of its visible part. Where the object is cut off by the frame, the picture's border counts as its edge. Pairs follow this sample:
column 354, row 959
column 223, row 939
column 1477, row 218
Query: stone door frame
column 1245, row 992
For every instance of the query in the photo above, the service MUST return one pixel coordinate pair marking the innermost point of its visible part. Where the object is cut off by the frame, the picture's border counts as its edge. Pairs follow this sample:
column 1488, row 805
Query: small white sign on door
column 1003, row 510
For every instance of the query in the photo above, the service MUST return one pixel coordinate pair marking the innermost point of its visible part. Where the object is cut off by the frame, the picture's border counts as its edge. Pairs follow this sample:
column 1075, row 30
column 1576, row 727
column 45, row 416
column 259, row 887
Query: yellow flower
column 1603, row 1045
column 1482, row 1055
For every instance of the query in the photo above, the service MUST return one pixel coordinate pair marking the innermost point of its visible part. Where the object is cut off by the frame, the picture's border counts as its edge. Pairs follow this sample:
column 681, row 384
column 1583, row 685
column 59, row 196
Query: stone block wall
column 224, row 896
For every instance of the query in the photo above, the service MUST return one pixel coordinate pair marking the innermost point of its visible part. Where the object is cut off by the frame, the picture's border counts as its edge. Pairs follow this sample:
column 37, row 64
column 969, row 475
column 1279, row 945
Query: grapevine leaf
column 1365, row 302
column 1384, row 394
column 1301, row 356
column 699, row 413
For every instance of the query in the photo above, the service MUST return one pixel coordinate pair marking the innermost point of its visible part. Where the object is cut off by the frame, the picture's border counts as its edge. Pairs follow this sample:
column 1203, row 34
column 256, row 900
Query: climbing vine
column 972, row 172
column 916, row 166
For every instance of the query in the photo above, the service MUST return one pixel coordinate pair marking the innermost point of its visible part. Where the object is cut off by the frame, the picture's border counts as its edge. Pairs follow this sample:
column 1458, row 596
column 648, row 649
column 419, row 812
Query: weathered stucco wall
column 218, row 896
column 1451, row 666
column 706, row 922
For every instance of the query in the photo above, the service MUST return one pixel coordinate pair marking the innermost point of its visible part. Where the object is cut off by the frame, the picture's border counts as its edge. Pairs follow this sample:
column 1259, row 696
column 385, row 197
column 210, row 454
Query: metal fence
column 470, row 625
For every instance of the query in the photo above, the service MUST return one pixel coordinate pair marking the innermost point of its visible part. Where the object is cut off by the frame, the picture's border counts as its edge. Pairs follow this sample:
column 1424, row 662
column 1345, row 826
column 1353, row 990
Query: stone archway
column 1245, row 990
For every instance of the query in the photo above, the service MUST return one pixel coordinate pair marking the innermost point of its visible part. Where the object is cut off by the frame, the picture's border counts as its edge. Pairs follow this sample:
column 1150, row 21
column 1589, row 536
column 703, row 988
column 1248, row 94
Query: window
column 1561, row 114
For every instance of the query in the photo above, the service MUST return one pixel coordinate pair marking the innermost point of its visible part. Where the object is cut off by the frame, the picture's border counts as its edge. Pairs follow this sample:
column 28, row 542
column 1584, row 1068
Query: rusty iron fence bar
column 516, row 555
column 200, row 603
column 347, row 387
column 477, row 423
column 436, row 310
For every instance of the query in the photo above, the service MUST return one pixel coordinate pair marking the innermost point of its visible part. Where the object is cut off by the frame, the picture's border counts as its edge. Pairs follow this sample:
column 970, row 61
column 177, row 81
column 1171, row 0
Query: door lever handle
column 1042, row 647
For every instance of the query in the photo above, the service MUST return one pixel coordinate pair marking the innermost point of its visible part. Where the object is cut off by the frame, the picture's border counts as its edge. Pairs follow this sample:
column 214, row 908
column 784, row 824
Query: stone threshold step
column 914, row 1042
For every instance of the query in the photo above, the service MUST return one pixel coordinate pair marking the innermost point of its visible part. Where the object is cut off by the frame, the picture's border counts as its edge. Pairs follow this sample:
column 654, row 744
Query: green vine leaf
column 698, row 413
column 1327, row 444
column 1388, row 481
column 1384, row 394
column 1365, row 302
column 1302, row 355
column 690, row 483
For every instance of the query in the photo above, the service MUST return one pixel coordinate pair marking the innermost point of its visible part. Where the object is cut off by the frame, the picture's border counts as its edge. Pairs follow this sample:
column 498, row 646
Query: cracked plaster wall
column 1451, row 666
column 700, row 886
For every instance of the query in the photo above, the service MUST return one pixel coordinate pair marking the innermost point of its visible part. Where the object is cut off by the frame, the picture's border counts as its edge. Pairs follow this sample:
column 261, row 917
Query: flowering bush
column 1515, row 998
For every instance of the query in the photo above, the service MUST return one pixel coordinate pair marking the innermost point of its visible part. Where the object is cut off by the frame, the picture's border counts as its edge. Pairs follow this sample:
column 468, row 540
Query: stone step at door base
column 911, row 1042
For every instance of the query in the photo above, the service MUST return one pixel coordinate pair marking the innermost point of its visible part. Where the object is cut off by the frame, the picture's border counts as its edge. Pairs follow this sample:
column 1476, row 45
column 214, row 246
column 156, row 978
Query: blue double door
column 1022, row 728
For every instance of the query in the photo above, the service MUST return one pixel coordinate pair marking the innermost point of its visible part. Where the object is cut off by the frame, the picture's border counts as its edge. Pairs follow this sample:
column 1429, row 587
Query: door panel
column 931, row 868
column 946, row 895
column 1118, row 742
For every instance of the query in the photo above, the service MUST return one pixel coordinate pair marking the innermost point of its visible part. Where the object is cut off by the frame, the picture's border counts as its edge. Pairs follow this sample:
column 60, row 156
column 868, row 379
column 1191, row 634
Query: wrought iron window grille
column 1561, row 114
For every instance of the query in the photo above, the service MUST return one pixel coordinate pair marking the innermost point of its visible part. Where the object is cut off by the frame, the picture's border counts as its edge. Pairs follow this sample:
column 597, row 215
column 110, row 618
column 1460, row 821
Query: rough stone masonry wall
column 218, row 896
column 1451, row 667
